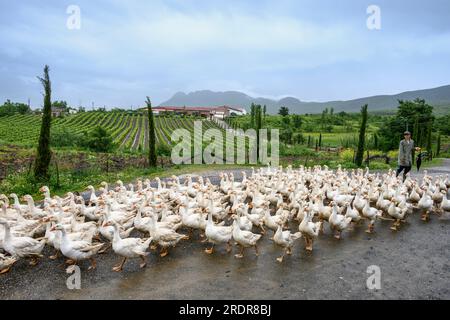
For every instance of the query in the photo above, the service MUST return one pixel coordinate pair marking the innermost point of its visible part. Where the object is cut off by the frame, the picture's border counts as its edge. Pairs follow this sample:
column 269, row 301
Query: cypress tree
column 264, row 112
column 375, row 141
column 438, row 147
column 252, row 116
column 151, row 135
column 44, row 154
column 362, row 137
column 320, row 140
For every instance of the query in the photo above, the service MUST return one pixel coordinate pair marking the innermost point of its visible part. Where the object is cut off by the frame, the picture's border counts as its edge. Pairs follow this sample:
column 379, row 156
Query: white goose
column 272, row 222
column 93, row 197
column 164, row 237
column 414, row 196
column 77, row 250
column 22, row 247
column 353, row 213
column 92, row 213
column 371, row 214
column 128, row 248
column 33, row 211
column 445, row 204
column 6, row 263
column 17, row 205
column 338, row 222
column 425, row 204
column 310, row 230
column 244, row 238
column 285, row 239
column 191, row 219
column 397, row 213
column 217, row 234
column 254, row 218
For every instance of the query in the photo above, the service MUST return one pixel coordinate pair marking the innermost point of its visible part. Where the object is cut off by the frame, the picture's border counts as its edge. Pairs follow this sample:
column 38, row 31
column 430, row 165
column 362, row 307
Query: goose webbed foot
column 93, row 264
column 105, row 249
column 5, row 270
column 425, row 216
column 34, row 262
column 209, row 251
column 280, row 259
column 163, row 253
column 263, row 231
column 119, row 267
column 144, row 262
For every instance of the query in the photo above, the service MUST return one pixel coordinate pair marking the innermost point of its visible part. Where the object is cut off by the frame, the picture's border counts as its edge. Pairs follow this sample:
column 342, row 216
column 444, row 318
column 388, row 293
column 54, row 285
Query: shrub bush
column 347, row 155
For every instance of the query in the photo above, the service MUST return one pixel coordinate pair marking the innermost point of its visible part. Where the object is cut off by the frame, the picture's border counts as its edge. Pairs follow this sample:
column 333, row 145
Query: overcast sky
column 313, row 50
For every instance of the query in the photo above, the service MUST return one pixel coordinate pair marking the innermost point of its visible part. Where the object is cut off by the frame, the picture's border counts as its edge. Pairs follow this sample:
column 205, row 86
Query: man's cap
column 407, row 133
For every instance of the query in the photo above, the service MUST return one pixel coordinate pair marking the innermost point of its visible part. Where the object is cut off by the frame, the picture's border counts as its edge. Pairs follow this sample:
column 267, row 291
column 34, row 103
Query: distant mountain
column 439, row 97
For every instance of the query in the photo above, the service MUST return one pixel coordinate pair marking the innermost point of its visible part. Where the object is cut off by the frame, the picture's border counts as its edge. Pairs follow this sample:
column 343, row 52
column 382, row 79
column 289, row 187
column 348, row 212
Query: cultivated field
column 129, row 130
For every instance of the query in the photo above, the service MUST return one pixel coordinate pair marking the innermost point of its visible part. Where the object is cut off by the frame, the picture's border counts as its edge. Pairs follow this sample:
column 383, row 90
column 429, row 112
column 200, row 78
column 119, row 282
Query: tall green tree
column 362, row 136
column 10, row 108
column 60, row 104
column 264, row 112
column 151, row 135
column 392, row 130
column 252, row 115
column 44, row 154
column 320, row 140
column 286, row 121
column 99, row 140
column 297, row 121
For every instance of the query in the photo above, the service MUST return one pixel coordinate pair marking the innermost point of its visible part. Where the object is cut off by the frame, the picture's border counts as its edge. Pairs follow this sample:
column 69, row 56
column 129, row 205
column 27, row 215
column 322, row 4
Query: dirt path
column 127, row 137
column 137, row 138
column 414, row 264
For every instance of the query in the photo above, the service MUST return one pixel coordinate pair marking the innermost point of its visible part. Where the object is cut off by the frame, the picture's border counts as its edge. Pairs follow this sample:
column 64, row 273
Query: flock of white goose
column 292, row 204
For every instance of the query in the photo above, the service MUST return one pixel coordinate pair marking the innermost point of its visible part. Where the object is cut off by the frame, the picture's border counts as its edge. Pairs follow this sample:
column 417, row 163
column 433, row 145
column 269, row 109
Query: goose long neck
column 31, row 203
column 64, row 235
column 304, row 220
column 210, row 214
column 116, row 233
column 139, row 214
column 7, row 235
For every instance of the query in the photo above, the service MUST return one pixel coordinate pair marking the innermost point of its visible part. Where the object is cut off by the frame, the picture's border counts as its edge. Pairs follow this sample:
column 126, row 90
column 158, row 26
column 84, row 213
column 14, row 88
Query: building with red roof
column 207, row 112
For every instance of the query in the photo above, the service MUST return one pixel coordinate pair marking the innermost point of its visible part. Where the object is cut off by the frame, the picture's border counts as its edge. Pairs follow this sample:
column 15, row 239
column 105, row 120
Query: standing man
column 405, row 154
